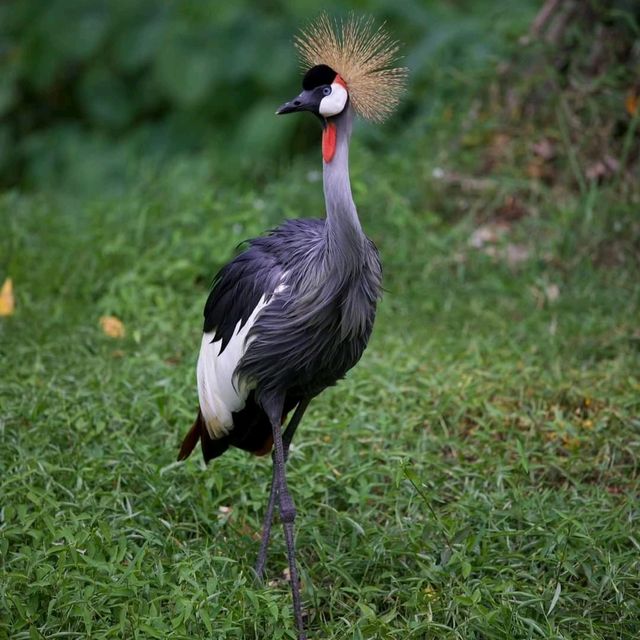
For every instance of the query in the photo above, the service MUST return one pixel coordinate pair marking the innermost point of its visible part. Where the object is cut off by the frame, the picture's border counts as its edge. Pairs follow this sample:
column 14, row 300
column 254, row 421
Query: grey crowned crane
column 292, row 314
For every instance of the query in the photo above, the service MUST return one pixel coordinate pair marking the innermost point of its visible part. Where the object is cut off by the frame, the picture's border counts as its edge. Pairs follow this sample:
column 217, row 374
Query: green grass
column 476, row 476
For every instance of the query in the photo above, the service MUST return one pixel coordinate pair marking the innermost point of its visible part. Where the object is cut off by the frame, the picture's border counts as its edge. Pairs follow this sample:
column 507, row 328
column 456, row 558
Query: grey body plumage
column 316, row 328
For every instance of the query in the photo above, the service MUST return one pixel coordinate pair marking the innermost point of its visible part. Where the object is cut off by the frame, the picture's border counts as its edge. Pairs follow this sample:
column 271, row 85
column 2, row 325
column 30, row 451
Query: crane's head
column 324, row 93
column 348, row 62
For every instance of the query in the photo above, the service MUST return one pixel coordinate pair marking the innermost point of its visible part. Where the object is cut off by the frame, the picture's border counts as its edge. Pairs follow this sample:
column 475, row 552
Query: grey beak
column 306, row 101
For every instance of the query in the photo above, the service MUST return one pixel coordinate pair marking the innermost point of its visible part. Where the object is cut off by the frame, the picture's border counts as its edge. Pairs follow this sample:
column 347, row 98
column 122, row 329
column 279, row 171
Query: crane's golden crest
column 363, row 55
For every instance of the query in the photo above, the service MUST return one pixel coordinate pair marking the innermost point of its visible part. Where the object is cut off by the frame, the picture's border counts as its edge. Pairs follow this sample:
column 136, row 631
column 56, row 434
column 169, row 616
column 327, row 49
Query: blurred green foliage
column 82, row 79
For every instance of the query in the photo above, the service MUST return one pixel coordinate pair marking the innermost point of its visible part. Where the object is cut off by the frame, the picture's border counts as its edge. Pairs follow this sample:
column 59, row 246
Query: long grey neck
column 344, row 236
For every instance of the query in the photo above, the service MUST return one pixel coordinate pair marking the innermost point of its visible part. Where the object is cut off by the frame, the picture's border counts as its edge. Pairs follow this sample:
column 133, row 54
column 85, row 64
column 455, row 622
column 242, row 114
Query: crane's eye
column 326, row 91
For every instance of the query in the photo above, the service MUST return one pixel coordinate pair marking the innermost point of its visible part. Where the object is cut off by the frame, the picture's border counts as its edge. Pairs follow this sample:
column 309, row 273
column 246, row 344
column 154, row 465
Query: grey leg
column 266, row 527
column 288, row 516
column 287, row 508
column 287, row 437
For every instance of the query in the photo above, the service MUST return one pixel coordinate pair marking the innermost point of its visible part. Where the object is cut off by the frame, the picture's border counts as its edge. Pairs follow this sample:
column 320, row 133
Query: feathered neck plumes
column 363, row 55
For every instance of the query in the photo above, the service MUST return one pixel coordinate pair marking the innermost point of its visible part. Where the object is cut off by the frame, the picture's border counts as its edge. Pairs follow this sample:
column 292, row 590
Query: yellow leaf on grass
column 631, row 103
column 7, row 301
column 112, row 326
column 571, row 443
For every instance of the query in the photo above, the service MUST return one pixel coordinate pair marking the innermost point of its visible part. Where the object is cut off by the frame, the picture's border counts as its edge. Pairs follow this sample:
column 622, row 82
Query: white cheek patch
column 333, row 104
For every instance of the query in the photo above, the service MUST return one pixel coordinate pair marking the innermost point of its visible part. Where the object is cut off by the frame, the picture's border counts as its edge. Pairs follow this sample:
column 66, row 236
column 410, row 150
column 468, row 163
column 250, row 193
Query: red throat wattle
column 329, row 142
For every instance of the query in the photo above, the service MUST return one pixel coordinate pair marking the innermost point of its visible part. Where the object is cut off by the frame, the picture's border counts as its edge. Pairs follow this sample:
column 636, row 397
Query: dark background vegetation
column 86, row 79
column 476, row 476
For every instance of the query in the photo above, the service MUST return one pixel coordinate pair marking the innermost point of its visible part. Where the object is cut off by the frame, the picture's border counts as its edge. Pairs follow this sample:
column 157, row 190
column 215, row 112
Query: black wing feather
column 237, row 289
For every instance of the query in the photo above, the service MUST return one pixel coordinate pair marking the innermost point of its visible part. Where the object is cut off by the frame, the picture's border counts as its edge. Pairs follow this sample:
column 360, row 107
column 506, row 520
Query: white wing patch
column 219, row 390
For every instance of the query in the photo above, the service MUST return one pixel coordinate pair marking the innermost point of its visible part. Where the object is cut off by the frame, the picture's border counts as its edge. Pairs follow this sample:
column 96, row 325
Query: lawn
column 474, row 477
